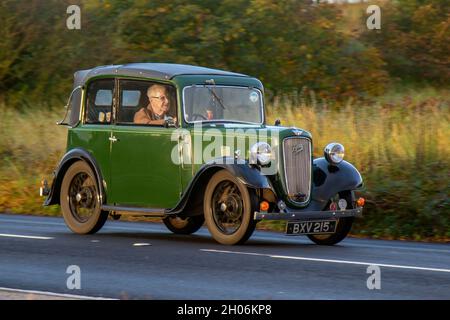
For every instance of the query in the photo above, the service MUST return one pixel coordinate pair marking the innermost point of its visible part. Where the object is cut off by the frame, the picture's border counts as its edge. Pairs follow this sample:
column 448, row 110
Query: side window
column 99, row 101
column 145, row 103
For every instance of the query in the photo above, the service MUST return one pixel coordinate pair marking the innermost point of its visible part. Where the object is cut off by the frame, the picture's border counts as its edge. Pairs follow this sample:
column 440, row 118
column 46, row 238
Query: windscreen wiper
column 211, row 82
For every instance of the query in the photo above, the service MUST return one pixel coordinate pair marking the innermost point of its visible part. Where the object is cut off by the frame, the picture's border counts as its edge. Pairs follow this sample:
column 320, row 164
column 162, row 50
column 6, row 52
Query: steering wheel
column 195, row 116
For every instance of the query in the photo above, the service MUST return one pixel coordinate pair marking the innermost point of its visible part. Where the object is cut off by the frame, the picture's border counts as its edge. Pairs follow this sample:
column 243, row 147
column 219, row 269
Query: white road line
column 141, row 244
column 276, row 237
column 329, row 260
column 53, row 294
column 26, row 237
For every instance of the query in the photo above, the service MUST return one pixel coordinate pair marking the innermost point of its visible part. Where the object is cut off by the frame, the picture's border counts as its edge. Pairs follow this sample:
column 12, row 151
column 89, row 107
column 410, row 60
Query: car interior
column 133, row 97
column 99, row 102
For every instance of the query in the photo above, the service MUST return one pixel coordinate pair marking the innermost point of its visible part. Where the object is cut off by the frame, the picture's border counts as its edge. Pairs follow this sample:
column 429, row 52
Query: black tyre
column 343, row 226
column 184, row 226
column 80, row 200
column 228, row 207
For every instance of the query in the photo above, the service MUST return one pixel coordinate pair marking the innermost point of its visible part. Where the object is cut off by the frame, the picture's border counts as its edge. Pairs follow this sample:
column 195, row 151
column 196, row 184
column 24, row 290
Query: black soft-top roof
column 163, row 71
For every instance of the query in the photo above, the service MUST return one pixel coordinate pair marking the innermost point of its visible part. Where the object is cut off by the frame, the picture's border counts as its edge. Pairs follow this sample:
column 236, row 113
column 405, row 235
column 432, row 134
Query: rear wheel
column 187, row 225
column 228, row 208
column 80, row 200
column 343, row 226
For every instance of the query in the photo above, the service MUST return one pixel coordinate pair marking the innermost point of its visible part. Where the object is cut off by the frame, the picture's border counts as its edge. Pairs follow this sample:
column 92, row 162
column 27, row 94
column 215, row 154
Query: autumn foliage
column 414, row 40
column 289, row 45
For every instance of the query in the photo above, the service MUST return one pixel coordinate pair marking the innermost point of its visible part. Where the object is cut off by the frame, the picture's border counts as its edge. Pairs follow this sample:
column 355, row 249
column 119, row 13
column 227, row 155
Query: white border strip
column 330, row 260
column 26, row 237
column 53, row 294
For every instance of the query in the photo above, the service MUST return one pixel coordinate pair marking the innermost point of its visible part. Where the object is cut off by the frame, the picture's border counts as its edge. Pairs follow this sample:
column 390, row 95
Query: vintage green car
column 191, row 145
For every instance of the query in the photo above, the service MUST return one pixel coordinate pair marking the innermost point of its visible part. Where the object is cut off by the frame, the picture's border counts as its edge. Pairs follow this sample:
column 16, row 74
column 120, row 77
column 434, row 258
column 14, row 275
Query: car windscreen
column 211, row 103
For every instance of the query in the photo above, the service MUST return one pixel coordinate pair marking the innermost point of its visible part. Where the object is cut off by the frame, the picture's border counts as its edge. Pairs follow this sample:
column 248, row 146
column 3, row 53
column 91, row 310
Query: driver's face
column 159, row 101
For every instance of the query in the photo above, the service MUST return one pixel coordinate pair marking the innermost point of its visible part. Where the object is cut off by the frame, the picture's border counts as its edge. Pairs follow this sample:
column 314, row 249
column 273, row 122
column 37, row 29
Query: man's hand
column 170, row 121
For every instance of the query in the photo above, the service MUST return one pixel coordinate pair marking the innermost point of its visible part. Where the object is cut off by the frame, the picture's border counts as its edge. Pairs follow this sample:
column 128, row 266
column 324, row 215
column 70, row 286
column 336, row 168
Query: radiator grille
column 297, row 168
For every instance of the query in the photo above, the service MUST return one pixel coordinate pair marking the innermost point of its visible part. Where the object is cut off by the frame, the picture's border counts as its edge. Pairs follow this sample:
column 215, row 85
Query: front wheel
column 343, row 227
column 80, row 200
column 228, row 207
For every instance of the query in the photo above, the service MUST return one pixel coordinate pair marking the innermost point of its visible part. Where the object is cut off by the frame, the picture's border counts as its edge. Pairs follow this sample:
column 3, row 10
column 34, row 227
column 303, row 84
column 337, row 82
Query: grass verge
column 400, row 143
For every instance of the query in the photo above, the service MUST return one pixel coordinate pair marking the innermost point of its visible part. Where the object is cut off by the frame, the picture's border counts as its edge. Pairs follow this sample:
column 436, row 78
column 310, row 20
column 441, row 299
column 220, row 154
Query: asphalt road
column 137, row 260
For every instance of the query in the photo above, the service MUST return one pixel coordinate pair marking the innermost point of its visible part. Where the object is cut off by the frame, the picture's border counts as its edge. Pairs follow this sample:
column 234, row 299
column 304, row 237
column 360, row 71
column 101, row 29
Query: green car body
column 135, row 173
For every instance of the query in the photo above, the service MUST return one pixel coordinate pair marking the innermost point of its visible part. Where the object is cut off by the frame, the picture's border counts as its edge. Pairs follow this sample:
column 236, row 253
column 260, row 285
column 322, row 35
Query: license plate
column 311, row 227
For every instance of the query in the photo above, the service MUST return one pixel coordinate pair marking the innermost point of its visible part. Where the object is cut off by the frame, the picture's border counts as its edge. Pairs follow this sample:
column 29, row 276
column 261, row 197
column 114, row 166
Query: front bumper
column 290, row 214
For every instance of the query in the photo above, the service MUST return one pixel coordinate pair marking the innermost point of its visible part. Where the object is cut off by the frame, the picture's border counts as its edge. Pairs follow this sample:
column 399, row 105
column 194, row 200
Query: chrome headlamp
column 260, row 153
column 334, row 153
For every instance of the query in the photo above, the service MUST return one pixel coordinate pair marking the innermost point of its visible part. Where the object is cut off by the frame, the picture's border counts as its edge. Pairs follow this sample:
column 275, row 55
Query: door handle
column 113, row 139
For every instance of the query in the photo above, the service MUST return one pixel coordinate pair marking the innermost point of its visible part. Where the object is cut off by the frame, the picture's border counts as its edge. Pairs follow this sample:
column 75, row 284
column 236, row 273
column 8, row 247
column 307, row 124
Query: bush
column 401, row 145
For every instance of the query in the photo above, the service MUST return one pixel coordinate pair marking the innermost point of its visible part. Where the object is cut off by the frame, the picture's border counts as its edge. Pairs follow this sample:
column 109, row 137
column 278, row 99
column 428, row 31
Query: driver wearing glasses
column 156, row 111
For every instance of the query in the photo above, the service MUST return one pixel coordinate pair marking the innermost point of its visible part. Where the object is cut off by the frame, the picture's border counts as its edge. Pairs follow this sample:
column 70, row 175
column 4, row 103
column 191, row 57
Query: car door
column 142, row 171
column 94, row 132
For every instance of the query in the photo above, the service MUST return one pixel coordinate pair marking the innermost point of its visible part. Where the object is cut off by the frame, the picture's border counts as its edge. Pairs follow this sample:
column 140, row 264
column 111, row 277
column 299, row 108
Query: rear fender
column 67, row 160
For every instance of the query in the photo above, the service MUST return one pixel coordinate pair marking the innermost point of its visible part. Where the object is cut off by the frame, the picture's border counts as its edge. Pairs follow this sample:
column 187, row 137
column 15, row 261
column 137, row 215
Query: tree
column 415, row 40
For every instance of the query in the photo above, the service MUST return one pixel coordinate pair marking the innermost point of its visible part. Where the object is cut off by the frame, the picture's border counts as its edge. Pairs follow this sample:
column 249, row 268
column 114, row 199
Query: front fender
column 328, row 180
column 245, row 173
column 248, row 175
column 67, row 160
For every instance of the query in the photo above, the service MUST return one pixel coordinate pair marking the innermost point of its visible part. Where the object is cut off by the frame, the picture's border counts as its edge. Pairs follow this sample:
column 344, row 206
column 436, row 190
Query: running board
column 137, row 211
